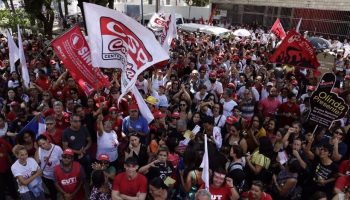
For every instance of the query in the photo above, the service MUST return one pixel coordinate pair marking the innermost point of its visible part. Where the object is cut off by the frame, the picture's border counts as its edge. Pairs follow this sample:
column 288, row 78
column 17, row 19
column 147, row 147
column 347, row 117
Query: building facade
column 321, row 17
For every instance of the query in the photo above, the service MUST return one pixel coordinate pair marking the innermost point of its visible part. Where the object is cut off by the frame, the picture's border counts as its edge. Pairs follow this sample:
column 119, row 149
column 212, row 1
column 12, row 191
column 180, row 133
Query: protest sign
column 326, row 106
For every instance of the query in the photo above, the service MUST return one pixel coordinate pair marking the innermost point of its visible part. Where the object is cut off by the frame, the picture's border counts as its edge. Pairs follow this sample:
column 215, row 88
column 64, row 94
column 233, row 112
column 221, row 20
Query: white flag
column 117, row 40
column 164, row 27
column 13, row 51
column 298, row 25
column 24, row 68
column 205, row 164
column 145, row 111
column 110, row 32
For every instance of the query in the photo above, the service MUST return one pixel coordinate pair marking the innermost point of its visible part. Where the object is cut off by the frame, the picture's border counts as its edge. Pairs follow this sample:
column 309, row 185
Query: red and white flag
column 295, row 50
column 114, row 35
column 74, row 52
column 13, row 51
column 164, row 27
column 119, row 41
column 278, row 30
column 22, row 58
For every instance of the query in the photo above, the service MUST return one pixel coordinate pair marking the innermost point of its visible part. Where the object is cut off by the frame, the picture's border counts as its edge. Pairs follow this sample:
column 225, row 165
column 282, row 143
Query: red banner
column 278, row 30
column 73, row 50
column 295, row 50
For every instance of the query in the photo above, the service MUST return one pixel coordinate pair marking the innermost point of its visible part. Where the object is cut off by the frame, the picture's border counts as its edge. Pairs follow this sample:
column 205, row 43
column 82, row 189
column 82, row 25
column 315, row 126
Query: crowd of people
column 254, row 112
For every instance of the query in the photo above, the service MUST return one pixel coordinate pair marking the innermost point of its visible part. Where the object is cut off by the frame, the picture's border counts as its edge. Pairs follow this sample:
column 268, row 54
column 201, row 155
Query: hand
column 229, row 182
column 39, row 171
column 310, row 137
column 321, row 182
column 154, row 163
column 296, row 153
column 274, row 178
column 67, row 196
column 100, row 118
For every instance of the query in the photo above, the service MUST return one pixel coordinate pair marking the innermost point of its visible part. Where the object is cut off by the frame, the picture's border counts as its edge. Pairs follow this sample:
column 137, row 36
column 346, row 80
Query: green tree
column 199, row 3
column 10, row 20
column 42, row 11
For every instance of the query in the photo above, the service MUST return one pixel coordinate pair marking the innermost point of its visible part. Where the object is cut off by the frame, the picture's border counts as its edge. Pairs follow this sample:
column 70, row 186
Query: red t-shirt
column 44, row 83
column 264, row 196
column 291, row 108
column 222, row 193
column 128, row 187
column 344, row 167
column 342, row 182
column 5, row 150
column 269, row 106
column 56, row 138
column 69, row 181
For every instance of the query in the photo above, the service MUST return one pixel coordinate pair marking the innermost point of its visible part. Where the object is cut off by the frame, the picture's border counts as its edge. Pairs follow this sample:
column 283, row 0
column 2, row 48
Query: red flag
column 73, row 50
column 295, row 50
column 278, row 30
column 210, row 21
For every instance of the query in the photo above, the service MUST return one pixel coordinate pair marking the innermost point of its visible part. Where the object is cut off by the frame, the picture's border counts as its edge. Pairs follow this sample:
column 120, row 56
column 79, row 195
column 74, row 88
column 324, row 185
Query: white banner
column 13, row 51
column 164, row 27
column 25, row 73
column 113, row 35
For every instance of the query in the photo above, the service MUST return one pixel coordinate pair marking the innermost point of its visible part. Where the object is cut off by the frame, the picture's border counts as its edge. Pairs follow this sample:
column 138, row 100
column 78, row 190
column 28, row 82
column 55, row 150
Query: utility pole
column 157, row 5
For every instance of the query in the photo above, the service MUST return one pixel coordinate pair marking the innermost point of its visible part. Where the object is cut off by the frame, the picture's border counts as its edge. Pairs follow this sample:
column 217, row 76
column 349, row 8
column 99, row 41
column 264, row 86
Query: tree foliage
column 199, row 3
column 10, row 20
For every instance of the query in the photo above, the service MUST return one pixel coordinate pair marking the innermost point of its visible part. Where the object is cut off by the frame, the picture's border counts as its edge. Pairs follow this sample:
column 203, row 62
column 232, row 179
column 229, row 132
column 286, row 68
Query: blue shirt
column 139, row 125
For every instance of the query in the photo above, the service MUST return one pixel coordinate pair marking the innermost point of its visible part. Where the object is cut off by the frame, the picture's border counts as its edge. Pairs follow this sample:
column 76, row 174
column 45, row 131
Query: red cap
column 175, row 115
column 133, row 107
column 235, row 58
column 68, row 152
column 231, row 86
column 248, row 57
column 203, row 67
column 111, row 109
column 212, row 74
column 311, row 88
column 231, row 120
column 221, row 71
column 103, row 157
column 294, row 82
column 52, row 62
column 158, row 115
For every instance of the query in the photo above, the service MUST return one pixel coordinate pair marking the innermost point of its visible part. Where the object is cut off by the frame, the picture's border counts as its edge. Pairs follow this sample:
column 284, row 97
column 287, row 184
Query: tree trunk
column 64, row 22
column 7, row 6
column 12, row 7
column 80, row 4
column 65, row 7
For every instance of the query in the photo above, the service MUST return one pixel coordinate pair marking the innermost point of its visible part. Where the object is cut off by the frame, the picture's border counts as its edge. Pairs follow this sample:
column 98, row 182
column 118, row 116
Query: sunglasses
column 183, row 105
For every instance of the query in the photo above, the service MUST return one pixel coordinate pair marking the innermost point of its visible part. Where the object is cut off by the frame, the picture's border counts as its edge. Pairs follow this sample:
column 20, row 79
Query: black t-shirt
column 76, row 139
column 161, row 170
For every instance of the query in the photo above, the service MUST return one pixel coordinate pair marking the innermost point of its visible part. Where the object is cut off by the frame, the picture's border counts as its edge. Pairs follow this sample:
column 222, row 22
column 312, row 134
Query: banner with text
column 73, row 50
column 326, row 106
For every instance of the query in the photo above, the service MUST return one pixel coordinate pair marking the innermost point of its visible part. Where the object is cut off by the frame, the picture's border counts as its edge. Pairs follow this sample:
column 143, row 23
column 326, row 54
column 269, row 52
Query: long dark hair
column 265, row 147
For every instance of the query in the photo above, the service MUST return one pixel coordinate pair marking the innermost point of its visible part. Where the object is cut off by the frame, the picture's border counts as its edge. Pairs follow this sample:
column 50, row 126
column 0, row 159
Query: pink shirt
column 269, row 106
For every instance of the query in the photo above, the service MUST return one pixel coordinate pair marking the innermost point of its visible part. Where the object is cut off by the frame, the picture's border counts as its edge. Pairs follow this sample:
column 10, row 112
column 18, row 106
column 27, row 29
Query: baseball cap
column 231, row 120
column 151, row 100
column 103, row 157
column 111, row 109
column 68, row 152
column 133, row 107
column 158, row 115
column 175, row 115
column 311, row 88
column 269, row 84
column 231, row 85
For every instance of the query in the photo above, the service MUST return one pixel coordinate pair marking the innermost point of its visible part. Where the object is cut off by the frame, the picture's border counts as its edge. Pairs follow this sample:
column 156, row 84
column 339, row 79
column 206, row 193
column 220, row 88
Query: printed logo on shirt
column 216, row 197
column 69, row 181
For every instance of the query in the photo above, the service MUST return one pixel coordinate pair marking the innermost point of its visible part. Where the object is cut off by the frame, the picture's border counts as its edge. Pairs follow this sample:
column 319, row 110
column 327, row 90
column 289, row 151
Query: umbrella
column 242, row 33
column 320, row 43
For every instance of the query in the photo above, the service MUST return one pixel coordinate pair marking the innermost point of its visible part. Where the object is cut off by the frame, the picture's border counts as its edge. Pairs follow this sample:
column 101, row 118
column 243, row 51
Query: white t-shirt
column 217, row 136
column 108, row 143
column 222, row 121
column 228, row 106
column 54, row 160
column 215, row 88
column 25, row 171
